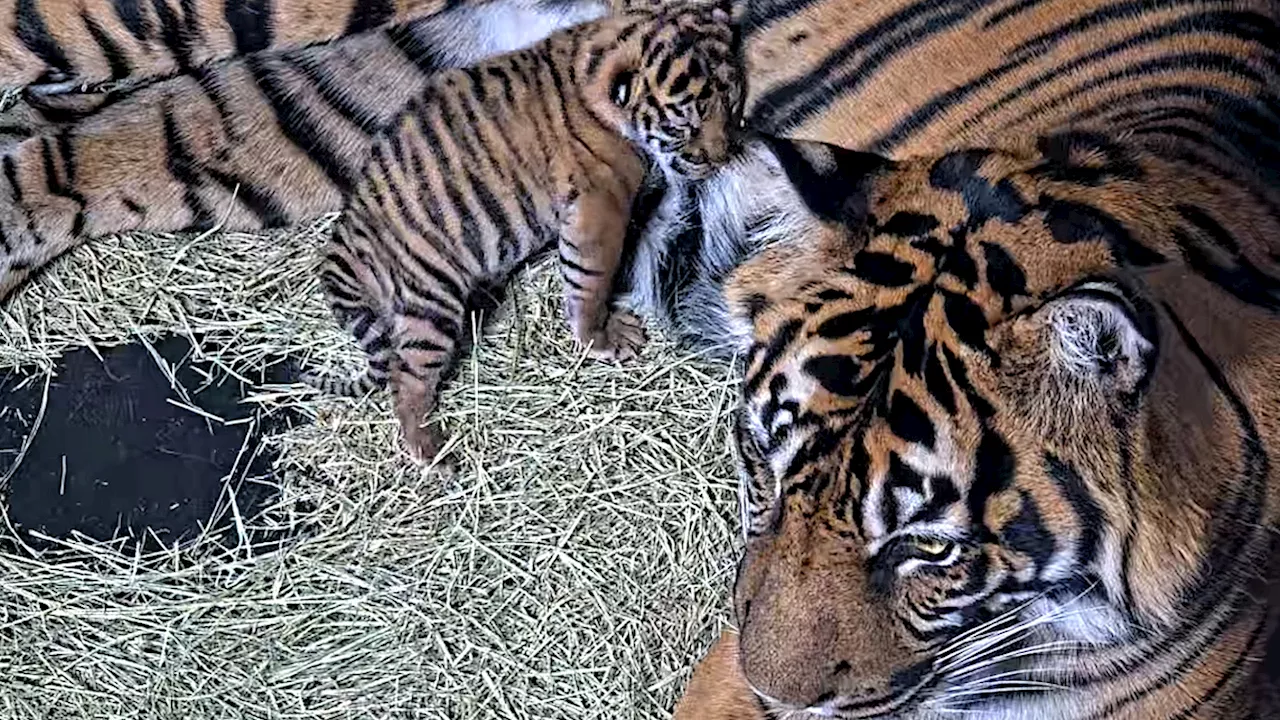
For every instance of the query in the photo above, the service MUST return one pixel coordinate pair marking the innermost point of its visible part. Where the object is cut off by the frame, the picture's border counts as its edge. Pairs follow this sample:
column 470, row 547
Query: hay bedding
column 573, row 567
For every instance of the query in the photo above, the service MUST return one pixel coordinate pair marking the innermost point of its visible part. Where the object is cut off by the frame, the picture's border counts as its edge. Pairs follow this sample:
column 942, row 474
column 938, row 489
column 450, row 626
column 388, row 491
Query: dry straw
column 573, row 567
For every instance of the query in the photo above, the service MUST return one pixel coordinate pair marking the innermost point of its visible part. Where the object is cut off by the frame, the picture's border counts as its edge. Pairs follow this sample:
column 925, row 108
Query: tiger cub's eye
column 620, row 90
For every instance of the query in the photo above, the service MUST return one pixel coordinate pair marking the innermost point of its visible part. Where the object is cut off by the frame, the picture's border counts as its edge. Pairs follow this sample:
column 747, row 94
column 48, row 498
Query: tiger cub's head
column 672, row 82
column 1003, row 417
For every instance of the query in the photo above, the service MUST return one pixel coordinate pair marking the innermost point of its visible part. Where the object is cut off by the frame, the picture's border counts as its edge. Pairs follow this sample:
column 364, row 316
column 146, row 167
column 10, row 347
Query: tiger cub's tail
column 353, row 386
column 374, row 337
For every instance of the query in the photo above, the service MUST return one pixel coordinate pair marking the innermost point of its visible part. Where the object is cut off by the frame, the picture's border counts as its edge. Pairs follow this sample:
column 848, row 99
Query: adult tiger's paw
column 718, row 690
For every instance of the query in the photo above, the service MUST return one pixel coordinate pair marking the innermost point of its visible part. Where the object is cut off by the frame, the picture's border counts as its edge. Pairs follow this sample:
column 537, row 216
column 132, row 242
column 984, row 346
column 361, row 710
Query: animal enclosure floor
column 142, row 444
column 574, row 564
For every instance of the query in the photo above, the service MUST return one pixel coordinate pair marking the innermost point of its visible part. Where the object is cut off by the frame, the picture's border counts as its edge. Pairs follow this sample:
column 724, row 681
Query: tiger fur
column 496, row 162
column 56, row 46
column 1187, row 85
column 1008, row 408
column 267, row 140
column 715, row 690
column 1004, row 434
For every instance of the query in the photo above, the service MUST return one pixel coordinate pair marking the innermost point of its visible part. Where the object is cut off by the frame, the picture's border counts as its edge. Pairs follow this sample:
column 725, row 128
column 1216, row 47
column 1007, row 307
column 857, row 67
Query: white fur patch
column 746, row 206
column 472, row 33
column 1088, row 620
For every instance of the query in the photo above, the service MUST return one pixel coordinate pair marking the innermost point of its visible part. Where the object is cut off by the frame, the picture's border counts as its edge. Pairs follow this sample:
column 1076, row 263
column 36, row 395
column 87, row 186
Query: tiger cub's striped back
column 496, row 162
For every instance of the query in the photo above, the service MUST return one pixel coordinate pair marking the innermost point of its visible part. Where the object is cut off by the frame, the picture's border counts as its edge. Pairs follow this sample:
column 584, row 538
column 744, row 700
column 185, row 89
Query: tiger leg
column 718, row 690
column 591, row 247
column 425, row 342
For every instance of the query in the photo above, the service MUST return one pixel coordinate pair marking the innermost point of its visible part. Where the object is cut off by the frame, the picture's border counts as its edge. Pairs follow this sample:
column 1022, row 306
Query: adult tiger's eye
column 932, row 548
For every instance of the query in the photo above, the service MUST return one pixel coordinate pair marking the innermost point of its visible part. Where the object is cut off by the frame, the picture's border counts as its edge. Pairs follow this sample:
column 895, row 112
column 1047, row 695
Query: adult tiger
column 1007, row 419
column 59, row 45
column 1006, row 433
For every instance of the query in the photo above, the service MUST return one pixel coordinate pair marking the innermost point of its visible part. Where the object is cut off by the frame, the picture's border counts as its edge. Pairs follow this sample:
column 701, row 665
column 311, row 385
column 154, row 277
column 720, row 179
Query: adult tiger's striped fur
column 1009, row 422
column 1007, row 433
column 498, row 161
column 267, row 140
column 1182, row 89
column 61, row 45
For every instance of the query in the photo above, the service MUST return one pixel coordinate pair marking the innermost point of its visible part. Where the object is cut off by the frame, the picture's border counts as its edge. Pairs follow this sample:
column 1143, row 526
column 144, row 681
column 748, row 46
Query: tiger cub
column 498, row 161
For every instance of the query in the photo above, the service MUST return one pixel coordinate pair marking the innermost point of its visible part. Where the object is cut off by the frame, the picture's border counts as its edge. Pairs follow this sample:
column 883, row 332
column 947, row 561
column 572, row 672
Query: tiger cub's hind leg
column 591, row 244
column 408, row 322
column 425, row 342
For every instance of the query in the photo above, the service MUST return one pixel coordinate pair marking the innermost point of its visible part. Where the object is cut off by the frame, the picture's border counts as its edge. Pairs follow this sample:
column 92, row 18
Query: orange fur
column 718, row 690
column 568, row 124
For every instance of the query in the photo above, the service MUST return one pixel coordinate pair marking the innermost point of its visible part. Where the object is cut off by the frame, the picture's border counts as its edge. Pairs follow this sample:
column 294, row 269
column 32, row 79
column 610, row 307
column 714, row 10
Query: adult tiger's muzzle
column 818, row 633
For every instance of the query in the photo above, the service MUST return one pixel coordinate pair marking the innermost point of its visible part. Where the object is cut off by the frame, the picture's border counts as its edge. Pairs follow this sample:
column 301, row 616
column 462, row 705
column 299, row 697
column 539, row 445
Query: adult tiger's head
column 1004, row 435
column 674, row 86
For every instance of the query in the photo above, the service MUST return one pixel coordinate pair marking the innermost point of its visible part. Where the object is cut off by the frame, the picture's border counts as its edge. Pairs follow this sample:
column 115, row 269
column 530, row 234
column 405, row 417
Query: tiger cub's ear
column 724, row 11
column 831, row 180
column 1097, row 337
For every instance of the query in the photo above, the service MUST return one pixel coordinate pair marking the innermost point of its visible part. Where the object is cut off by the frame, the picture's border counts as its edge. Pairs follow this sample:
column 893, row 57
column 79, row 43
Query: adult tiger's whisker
column 999, row 641
column 1005, row 674
column 967, row 650
column 1020, row 687
column 1043, row 649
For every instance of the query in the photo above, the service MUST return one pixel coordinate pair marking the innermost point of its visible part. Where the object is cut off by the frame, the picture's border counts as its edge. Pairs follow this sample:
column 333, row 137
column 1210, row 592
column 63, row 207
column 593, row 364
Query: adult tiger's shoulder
column 908, row 77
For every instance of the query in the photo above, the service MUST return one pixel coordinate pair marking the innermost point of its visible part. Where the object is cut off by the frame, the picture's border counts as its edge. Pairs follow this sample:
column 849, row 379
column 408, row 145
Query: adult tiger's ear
column 831, row 180
column 1100, row 337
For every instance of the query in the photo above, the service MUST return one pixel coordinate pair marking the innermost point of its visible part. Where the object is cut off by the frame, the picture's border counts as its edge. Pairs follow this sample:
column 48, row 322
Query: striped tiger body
column 60, row 45
column 1008, row 411
column 904, row 78
column 266, row 140
column 1114, row 120
column 498, row 161
column 1006, row 432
